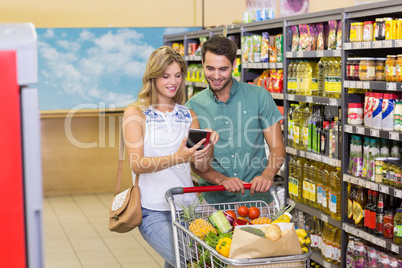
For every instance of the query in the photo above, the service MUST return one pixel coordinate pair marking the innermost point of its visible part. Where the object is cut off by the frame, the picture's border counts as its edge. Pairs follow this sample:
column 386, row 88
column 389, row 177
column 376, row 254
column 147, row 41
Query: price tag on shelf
column 309, row 99
column 357, row 45
column 346, row 178
column 361, row 182
column 258, row 65
column 299, row 54
column 360, row 130
column 352, row 84
column 337, row 53
column 366, row 44
column 346, row 83
column 348, row 128
column 375, row 132
column 359, row 84
column 381, row 242
column 333, row 102
column 394, row 136
column 365, row 236
column 245, row 65
column 376, row 44
column 320, row 53
column 395, row 248
column 291, row 97
column 279, row 65
column 366, row 85
column 387, row 43
column 398, row 43
column 353, row 180
column 265, row 65
column 347, row 46
column 398, row 193
column 383, row 189
column 309, row 155
column 391, row 86
column 317, row 157
column 302, row 153
column 289, row 54
column 324, row 218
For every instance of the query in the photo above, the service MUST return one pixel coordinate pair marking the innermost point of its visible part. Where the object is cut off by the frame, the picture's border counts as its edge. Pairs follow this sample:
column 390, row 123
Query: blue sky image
column 94, row 67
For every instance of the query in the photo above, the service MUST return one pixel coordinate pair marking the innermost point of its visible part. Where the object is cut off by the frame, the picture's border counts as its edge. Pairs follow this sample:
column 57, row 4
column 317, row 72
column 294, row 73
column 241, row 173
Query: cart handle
column 214, row 188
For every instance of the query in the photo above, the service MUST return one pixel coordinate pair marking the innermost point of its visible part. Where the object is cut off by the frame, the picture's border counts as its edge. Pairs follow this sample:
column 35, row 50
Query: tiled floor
column 77, row 236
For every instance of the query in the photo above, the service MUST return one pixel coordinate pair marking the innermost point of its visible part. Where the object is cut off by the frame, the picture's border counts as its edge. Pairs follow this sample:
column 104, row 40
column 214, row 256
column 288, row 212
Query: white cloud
column 49, row 33
column 175, row 30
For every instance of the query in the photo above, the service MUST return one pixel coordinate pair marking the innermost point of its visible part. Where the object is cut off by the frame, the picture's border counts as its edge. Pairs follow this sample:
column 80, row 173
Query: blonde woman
column 156, row 128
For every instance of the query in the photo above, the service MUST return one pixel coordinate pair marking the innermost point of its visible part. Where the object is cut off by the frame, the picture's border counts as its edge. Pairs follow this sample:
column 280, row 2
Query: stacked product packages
column 259, row 14
column 262, row 48
column 316, row 36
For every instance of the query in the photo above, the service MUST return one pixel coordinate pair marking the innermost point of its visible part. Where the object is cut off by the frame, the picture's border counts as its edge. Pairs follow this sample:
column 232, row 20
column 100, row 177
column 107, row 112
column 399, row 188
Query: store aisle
column 76, row 235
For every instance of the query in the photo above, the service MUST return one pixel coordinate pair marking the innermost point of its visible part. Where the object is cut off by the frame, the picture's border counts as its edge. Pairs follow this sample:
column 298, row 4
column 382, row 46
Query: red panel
column 12, row 226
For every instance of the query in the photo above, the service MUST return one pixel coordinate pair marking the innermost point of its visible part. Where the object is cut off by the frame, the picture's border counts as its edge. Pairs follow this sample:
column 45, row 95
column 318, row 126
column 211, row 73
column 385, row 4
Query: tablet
column 196, row 135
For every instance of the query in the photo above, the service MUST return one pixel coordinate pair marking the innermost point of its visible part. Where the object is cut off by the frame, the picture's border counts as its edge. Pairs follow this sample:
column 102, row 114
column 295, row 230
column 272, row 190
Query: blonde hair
column 157, row 63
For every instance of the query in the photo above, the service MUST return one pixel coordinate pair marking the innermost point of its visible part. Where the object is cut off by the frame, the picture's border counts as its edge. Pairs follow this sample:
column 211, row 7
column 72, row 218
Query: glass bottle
column 379, row 223
column 367, row 212
column 360, row 203
column 372, row 212
column 351, row 201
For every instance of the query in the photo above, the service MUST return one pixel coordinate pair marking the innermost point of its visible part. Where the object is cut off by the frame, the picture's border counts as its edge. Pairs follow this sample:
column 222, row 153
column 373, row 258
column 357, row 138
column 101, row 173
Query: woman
column 155, row 128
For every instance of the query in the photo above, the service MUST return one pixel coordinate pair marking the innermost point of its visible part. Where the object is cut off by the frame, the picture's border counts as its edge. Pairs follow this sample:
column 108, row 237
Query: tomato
column 231, row 213
column 253, row 213
column 242, row 211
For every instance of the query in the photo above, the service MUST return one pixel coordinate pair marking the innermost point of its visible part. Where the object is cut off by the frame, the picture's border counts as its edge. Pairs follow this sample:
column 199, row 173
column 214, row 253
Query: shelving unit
column 252, row 70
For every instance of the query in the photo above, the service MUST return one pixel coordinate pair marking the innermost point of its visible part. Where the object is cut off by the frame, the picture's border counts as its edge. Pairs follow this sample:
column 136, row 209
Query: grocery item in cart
column 246, row 245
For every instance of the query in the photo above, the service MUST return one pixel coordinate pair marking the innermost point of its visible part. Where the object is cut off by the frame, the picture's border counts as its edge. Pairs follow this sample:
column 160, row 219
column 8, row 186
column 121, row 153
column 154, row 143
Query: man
column 244, row 115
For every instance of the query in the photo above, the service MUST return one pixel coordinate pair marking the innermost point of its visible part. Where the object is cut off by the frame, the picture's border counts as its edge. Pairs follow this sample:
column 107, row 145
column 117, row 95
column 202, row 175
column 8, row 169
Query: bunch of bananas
column 304, row 239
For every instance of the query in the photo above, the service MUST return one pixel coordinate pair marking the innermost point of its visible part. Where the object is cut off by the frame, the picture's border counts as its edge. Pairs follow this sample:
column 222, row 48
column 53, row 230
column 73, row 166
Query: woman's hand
column 190, row 155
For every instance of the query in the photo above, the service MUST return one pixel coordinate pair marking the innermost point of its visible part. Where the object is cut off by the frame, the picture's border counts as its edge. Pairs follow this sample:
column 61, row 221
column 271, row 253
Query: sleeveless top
column 164, row 133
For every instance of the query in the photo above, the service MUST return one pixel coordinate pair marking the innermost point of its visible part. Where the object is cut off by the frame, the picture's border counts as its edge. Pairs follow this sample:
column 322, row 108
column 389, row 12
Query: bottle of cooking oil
column 292, row 167
column 336, row 247
column 299, row 177
column 299, row 70
column 306, row 182
column 291, row 124
column 324, row 237
column 335, row 194
column 313, row 183
column 298, row 126
column 328, row 71
column 307, row 77
column 329, row 244
column 314, row 78
column 337, row 84
column 290, row 78
column 326, row 188
column 305, row 129
column 321, row 77
column 294, row 80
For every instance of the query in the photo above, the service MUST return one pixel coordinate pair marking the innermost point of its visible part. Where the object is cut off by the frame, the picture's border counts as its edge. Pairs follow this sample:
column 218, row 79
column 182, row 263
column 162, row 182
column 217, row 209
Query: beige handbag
column 125, row 212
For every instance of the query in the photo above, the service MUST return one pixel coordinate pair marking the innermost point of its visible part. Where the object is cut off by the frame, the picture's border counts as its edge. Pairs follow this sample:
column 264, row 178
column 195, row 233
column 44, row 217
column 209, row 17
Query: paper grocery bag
column 249, row 246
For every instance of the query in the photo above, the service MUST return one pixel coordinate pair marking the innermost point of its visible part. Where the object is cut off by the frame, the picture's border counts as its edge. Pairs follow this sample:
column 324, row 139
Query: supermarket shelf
column 196, row 84
column 374, row 9
column 380, row 187
column 262, row 65
column 316, row 256
column 193, row 58
column 378, row 133
column 277, row 96
column 314, row 99
column 314, row 54
column 316, row 213
column 313, row 156
column 373, row 44
column 374, row 85
column 263, row 25
column 379, row 241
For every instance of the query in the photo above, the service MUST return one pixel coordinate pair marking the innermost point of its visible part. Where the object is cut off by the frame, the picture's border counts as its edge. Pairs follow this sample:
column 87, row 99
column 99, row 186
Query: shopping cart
column 192, row 251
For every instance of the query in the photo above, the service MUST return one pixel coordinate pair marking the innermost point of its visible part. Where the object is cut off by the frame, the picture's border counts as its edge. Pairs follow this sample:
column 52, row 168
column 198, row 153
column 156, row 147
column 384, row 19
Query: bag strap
column 120, row 166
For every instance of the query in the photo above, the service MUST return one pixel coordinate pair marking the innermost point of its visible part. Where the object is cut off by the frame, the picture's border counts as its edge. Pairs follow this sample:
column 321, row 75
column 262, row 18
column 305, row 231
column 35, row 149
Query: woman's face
column 169, row 83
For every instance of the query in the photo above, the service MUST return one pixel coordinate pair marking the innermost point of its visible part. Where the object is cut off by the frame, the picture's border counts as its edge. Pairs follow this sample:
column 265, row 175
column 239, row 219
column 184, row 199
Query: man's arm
column 274, row 138
column 231, row 184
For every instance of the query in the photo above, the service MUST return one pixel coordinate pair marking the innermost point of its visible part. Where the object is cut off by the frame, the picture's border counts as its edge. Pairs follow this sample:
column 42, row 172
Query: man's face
column 218, row 71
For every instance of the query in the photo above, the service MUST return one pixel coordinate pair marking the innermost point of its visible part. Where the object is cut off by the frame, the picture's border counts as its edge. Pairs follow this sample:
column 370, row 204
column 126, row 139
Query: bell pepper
column 238, row 222
column 223, row 246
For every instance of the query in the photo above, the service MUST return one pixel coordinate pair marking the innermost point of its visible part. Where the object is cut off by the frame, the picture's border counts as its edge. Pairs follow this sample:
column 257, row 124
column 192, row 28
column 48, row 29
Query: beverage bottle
column 290, row 78
column 291, row 124
column 336, row 247
column 306, row 182
column 299, row 77
column 335, row 194
column 379, row 222
column 360, row 203
column 351, row 200
column 314, row 234
column 299, row 178
column 372, row 213
column 307, row 112
column 367, row 212
column 314, row 78
column 318, row 130
column 314, row 130
column 310, row 129
column 338, row 133
column 389, row 218
column 321, row 77
column 358, row 157
column 298, row 126
column 324, row 139
column 351, row 167
column 366, row 155
column 337, row 78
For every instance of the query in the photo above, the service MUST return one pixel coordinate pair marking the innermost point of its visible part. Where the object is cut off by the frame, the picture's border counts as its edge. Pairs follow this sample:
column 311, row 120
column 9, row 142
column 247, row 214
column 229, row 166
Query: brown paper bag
column 249, row 246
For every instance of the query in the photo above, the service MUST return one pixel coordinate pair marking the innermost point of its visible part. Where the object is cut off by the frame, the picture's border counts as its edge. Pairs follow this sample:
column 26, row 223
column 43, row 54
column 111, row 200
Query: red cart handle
column 213, row 188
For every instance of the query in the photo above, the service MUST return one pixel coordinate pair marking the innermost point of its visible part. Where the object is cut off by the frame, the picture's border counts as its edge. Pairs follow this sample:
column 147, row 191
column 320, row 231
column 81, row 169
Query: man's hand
column 232, row 184
column 261, row 184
